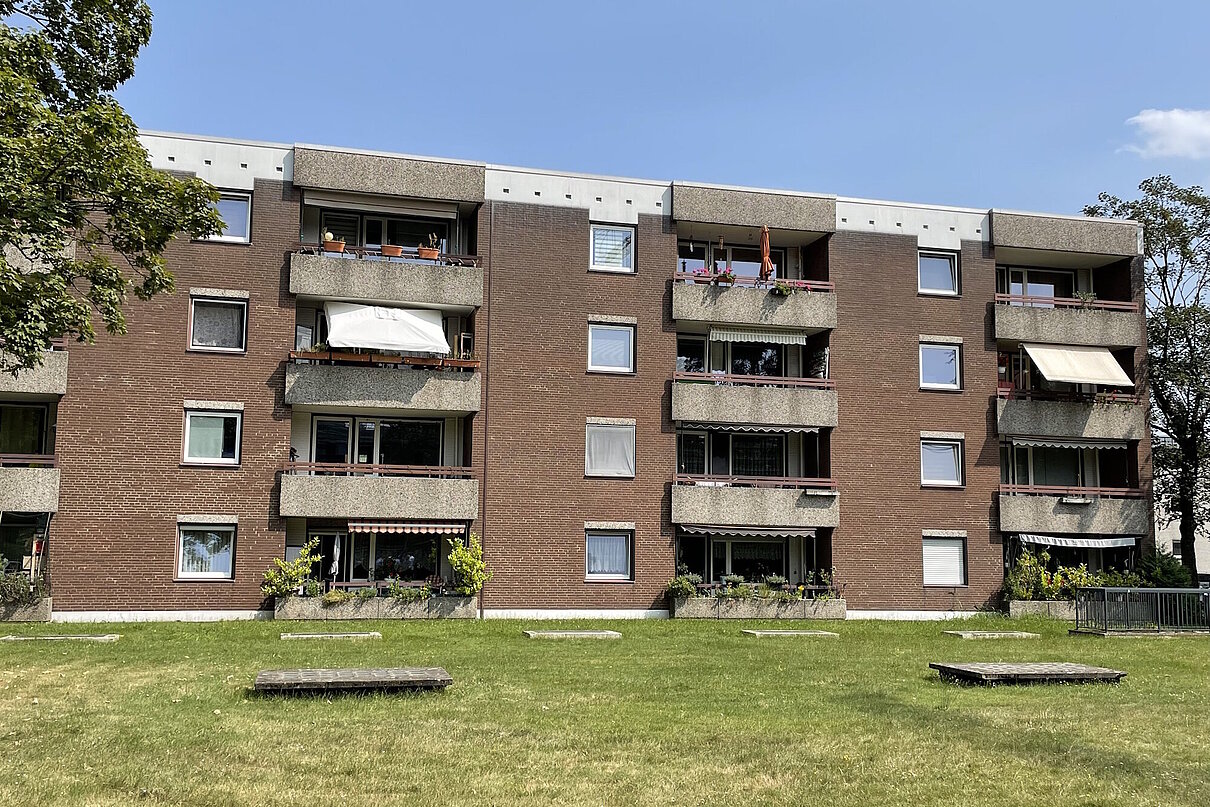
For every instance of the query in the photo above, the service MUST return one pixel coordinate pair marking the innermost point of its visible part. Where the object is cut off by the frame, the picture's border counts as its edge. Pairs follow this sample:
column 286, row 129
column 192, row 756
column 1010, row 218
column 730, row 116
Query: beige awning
column 406, row 528
column 770, row 336
column 1078, row 364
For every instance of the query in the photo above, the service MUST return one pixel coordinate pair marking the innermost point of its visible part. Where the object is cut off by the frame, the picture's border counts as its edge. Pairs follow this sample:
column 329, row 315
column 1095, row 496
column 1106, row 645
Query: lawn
column 675, row 713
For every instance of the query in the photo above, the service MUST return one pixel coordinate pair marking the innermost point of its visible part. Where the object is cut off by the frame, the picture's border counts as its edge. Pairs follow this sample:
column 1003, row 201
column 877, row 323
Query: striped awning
column 747, row 532
column 747, row 427
column 758, row 335
column 1080, row 542
column 406, row 527
column 1060, row 442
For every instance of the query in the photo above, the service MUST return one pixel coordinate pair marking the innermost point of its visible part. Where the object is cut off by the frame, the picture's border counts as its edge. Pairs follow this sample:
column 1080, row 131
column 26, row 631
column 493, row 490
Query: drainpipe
column 487, row 368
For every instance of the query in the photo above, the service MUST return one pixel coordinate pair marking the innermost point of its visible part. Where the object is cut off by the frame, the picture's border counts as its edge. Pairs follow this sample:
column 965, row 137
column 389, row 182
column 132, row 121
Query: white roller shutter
column 944, row 562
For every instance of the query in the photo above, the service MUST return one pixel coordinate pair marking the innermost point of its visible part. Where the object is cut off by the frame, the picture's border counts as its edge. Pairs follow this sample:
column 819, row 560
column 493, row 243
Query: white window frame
column 181, row 574
column 588, row 427
column 963, row 570
column 239, row 436
column 952, row 257
column 961, row 460
column 628, row 577
column 193, row 301
column 956, row 349
column 592, row 239
column 611, row 327
column 235, row 239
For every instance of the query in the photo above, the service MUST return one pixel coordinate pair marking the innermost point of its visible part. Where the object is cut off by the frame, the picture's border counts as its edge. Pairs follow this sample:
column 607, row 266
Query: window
column 756, row 358
column 235, row 209
column 690, row 354
column 938, row 273
column 608, row 450
column 22, row 429
column 608, row 555
column 212, row 438
column 372, row 231
column 612, row 248
column 940, row 366
column 377, row 441
column 941, row 462
column 944, row 562
column 744, row 261
column 219, row 325
column 1042, row 283
column 611, row 348
column 691, row 453
column 206, row 551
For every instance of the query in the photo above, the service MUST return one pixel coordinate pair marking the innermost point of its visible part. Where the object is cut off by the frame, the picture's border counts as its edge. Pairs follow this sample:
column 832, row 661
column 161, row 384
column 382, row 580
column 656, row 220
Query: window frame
column 933, row 483
column 211, row 461
column 193, row 346
column 634, row 448
column 222, row 238
column 613, row 326
column 599, row 577
column 181, row 574
column 955, row 267
column 593, row 227
column 956, row 347
column 964, row 570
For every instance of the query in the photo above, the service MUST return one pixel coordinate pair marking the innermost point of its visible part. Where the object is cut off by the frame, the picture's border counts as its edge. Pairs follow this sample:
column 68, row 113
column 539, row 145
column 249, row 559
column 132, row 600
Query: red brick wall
column 120, row 430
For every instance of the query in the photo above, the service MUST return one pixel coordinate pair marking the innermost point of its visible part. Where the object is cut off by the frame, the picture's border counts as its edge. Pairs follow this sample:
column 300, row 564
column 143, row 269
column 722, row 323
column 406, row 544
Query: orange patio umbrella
column 766, row 265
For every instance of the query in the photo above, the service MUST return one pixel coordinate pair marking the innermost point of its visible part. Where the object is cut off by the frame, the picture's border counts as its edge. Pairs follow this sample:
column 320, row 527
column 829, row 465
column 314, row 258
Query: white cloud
column 1172, row 133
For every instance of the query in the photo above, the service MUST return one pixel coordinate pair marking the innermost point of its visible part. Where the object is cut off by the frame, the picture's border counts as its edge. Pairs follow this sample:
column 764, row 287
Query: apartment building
column 384, row 351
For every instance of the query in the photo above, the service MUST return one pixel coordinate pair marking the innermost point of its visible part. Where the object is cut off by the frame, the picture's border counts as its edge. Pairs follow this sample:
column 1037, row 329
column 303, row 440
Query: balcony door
column 1042, row 283
column 753, row 560
column 331, row 440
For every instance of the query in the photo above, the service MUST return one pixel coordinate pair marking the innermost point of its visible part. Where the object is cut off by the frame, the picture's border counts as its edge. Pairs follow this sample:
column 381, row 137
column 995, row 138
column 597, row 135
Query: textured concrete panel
column 1069, row 326
column 382, row 388
column 756, row 608
column 393, row 176
column 704, row 402
column 363, row 280
column 738, row 305
column 753, row 507
column 780, row 211
column 1064, row 234
column 29, row 490
column 1048, row 514
column 313, row 608
column 49, row 379
column 1070, row 419
column 387, row 497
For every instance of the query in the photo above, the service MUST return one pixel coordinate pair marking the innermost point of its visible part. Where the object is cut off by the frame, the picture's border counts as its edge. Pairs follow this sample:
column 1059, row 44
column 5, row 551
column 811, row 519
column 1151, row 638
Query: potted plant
column 432, row 251
column 331, row 244
column 725, row 277
column 781, row 288
column 390, row 250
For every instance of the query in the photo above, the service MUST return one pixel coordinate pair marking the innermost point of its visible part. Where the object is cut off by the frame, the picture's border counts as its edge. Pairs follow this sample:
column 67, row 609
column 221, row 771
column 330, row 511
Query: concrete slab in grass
column 573, row 634
column 992, row 634
column 761, row 634
column 79, row 637
column 372, row 634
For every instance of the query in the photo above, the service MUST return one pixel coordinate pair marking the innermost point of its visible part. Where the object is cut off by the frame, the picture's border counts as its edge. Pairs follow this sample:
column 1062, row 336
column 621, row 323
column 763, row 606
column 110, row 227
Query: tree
column 1176, row 254
column 84, row 218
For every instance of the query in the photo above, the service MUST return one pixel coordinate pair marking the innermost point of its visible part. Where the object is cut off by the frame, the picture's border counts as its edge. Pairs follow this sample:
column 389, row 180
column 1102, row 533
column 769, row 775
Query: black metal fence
column 1140, row 610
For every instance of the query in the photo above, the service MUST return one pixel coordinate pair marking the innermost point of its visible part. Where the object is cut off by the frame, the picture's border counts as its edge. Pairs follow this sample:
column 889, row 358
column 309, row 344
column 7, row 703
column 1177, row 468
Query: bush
column 683, row 585
column 367, row 593
column 466, row 561
column 337, row 597
column 17, row 589
column 1161, row 570
column 402, row 593
column 1030, row 579
column 289, row 577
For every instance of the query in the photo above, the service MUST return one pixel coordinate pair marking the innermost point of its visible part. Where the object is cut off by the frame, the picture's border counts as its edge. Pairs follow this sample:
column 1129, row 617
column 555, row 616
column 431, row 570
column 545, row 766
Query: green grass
column 675, row 713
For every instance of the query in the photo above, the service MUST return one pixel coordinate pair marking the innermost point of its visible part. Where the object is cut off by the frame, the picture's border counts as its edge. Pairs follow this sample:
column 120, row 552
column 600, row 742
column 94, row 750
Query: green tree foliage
column 1176, row 255
column 84, row 218
column 288, row 576
column 466, row 560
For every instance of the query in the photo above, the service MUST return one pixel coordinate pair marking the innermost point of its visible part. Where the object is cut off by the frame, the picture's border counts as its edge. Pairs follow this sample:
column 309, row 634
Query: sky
column 1019, row 105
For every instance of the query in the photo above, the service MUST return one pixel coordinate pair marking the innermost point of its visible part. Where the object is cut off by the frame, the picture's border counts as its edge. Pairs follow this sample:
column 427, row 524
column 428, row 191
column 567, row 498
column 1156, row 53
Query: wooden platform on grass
column 1040, row 672
column 991, row 634
column 371, row 634
column 320, row 681
column 65, row 637
column 762, row 634
column 573, row 634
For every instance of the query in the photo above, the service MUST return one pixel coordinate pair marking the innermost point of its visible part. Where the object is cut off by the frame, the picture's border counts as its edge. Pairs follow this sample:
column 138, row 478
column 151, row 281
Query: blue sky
column 1022, row 104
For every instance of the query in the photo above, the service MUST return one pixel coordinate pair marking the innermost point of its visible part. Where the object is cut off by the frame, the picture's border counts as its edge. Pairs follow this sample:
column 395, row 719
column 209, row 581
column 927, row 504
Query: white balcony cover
column 748, row 427
column 1061, row 442
column 748, row 532
column 1078, row 364
column 374, row 326
column 1080, row 543
column 757, row 335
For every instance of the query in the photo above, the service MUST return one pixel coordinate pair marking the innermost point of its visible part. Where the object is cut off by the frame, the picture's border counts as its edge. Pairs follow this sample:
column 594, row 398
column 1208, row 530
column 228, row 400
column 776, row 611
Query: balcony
column 388, row 174
column 1048, row 509
column 740, row 207
column 754, row 501
column 1068, row 321
column 1103, row 416
column 29, row 483
column 1069, row 234
column 453, row 385
column 48, row 379
column 366, row 275
column 330, row 490
column 810, row 305
column 765, row 400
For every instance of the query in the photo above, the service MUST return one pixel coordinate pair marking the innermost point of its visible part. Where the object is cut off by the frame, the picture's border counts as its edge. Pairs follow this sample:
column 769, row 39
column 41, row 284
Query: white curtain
column 378, row 327
column 939, row 462
column 610, row 347
column 609, row 450
column 206, row 436
column 609, row 553
column 206, row 551
column 218, row 324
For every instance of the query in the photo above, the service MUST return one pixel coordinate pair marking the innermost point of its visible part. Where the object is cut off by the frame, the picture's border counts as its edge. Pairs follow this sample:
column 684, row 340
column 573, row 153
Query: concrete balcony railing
column 364, row 387
column 1065, row 234
column 29, row 483
column 754, row 502
column 812, row 307
column 323, row 490
column 766, row 400
column 1063, row 321
column 1045, row 509
column 365, row 276
column 1107, row 418
column 48, row 379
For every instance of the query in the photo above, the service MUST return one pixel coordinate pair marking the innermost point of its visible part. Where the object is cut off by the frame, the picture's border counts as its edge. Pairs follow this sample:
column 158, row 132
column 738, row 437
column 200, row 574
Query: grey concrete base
column 77, row 637
column 399, row 679
column 37, row 611
column 573, row 634
column 762, row 634
column 991, row 634
column 1055, row 609
column 312, row 608
column 373, row 634
column 753, row 608
column 1140, row 634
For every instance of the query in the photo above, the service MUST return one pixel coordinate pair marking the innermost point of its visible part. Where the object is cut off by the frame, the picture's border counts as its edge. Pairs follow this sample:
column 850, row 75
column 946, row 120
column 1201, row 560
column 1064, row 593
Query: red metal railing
column 754, row 380
column 367, row 469
column 375, row 254
column 1065, row 302
column 725, row 480
column 1014, row 394
column 706, row 278
column 28, row 461
column 1058, row 490
column 383, row 360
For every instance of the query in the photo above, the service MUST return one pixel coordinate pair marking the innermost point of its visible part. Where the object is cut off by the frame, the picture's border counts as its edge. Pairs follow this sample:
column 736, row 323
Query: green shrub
column 466, row 561
column 683, row 585
column 337, row 596
column 402, row 593
column 1161, row 570
column 17, row 589
column 289, row 577
column 1030, row 579
column 740, row 591
column 368, row 593
column 775, row 580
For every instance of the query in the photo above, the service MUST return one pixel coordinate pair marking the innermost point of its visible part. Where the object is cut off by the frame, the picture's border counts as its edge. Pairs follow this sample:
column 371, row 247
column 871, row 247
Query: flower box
column 756, row 608
column 36, row 611
column 294, row 608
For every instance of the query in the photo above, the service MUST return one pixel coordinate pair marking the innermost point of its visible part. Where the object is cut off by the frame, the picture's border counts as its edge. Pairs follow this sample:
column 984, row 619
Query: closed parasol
column 766, row 264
